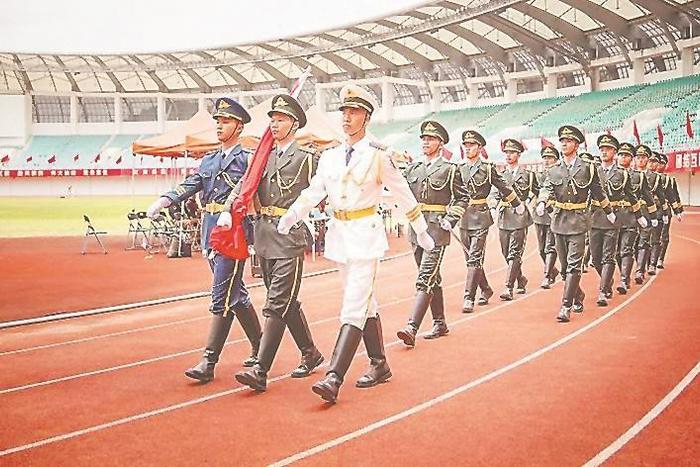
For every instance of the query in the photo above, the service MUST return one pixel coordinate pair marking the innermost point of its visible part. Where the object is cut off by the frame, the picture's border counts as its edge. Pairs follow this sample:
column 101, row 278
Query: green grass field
column 53, row 216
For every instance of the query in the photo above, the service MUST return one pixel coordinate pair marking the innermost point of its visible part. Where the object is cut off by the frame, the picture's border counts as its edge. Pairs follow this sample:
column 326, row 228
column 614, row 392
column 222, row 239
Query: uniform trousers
column 428, row 267
column 571, row 249
column 626, row 240
column 545, row 240
column 282, row 278
column 474, row 241
column 603, row 246
column 512, row 243
column 228, row 292
column 359, row 302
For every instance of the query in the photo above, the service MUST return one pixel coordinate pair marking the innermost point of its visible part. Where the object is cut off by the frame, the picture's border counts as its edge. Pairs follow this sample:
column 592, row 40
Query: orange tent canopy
column 172, row 142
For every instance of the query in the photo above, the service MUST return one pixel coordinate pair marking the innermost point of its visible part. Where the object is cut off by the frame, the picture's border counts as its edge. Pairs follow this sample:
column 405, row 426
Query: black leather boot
column 470, row 289
column 256, row 378
column 437, row 308
column 251, row 327
column 343, row 353
column 642, row 256
column 606, row 276
column 662, row 255
column 299, row 329
column 570, row 289
column 379, row 371
column 653, row 258
column 513, row 273
column 408, row 334
column 626, row 265
column 550, row 271
column 486, row 290
column 218, row 332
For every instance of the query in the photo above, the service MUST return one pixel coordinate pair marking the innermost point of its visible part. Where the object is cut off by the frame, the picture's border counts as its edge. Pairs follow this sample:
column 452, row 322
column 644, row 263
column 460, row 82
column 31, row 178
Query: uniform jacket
column 478, row 180
column 437, row 184
column 640, row 187
column 545, row 219
column 525, row 185
column 672, row 195
column 357, row 185
column 284, row 178
column 656, row 188
column 216, row 177
column 572, row 187
column 617, row 185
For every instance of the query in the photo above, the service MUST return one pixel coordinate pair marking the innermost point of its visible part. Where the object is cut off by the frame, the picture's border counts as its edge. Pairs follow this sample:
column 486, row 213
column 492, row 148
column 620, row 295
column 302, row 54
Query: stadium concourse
column 93, row 346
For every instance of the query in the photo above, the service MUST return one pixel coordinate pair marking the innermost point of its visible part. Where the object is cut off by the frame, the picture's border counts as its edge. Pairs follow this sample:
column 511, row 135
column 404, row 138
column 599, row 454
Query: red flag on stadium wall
column 5, row 159
column 119, row 161
column 52, row 159
column 161, row 160
column 29, row 159
column 76, row 157
column 484, row 154
column 232, row 243
column 447, row 154
column 660, row 134
column 635, row 132
column 609, row 132
column 688, row 125
column 97, row 158
column 545, row 143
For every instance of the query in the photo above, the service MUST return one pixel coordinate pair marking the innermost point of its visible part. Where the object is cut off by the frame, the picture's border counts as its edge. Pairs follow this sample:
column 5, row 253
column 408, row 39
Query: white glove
column 540, row 209
column 225, row 220
column 679, row 216
column 425, row 241
column 286, row 222
column 665, row 219
column 520, row 209
column 494, row 215
column 642, row 221
column 160, row 203
column 445, row 224
column 654, row 222
column 611, row 217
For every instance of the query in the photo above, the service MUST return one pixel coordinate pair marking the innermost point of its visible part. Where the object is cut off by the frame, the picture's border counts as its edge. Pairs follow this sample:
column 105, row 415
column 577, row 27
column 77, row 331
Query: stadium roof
column 438, row 40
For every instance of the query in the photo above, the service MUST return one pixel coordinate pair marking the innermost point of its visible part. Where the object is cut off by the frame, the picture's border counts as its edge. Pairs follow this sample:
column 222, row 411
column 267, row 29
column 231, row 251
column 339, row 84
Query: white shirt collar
column 283, row 149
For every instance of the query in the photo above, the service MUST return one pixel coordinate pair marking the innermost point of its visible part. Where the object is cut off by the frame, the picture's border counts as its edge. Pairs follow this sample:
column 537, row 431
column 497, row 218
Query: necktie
column 348, row 154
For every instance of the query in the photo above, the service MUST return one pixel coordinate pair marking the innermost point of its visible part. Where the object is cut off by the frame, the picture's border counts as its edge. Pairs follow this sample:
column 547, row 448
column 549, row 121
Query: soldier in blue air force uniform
column 218, row 174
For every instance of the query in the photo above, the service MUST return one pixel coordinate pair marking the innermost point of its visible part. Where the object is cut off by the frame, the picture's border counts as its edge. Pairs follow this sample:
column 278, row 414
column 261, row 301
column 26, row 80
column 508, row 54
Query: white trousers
column 359, row 302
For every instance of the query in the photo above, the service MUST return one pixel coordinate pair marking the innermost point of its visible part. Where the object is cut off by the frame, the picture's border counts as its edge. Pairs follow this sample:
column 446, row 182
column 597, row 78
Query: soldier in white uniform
column 352, row 176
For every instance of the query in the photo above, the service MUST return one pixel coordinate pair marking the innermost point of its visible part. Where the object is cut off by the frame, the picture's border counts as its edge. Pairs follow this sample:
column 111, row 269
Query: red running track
column 508, row 385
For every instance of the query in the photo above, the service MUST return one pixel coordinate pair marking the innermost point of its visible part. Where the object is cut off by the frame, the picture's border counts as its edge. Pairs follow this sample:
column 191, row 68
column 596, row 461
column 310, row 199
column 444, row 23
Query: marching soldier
column 650, row 236
column 604, row 234
column 511, row 225
column 570, row 183
column 289, row 170
column 438, row 188
column 218, row 174
column 545, row 237
column 479, row 176
column 631, row 229
column 674, row 201
column 352, row 176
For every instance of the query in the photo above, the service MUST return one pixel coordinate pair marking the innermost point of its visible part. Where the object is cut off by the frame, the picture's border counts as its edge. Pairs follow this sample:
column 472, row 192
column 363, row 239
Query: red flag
column 635, row 132
column 660, row 134
column 119, row 161
column 76, row 157
column 446, row 153
column 503, row 145
column 97, row 158
column 161, row 160
column 688, row 125
column 29, row 159
column 545, row 143
column 609, row 132
column 5, row 159
column 484, row 154
column 52, row 159
column 232, row 243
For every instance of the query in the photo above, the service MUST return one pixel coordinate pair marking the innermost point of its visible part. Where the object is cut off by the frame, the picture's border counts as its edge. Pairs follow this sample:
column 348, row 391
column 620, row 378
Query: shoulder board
column 210, row 153
column 309, row 149
column 377, row 145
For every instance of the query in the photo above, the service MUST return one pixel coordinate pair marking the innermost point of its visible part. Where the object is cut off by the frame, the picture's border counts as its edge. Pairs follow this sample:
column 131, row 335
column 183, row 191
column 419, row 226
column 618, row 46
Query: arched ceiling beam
column 152, row 74
column 338, row 61
column 203, row 85
column 381, row 62
column 411, row 55
column 69, row 76
column 117, row 85
column 302, row 63
column 668, row 15
column 237, row 77
column 574, row 35
column 22, row 76
column 281, row 78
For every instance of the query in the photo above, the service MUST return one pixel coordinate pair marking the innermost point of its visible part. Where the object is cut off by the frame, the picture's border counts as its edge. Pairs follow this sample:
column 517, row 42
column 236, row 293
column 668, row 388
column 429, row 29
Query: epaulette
column 309, row 149
column 377, row 145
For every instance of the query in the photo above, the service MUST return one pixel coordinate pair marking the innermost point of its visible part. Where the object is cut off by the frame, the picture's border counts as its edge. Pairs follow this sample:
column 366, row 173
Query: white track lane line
column 199, row 349
column 459, row 390
column 182, row 405
column 634, row 430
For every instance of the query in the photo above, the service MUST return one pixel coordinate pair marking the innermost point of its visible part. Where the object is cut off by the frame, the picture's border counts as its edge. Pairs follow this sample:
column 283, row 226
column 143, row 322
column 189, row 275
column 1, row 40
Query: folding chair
column 92, row 232
column 136, row 228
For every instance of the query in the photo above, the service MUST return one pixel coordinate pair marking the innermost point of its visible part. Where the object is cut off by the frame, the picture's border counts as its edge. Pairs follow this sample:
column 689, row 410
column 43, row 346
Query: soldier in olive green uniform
column 289, row 170
column 673, row 199
column 657, row 162
column 604, row 234
column 650, row 236
column 545, row 237
column 478, row 176
column 631, row 229
column 570, row 183
column 438, row 188
column 511, row 225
